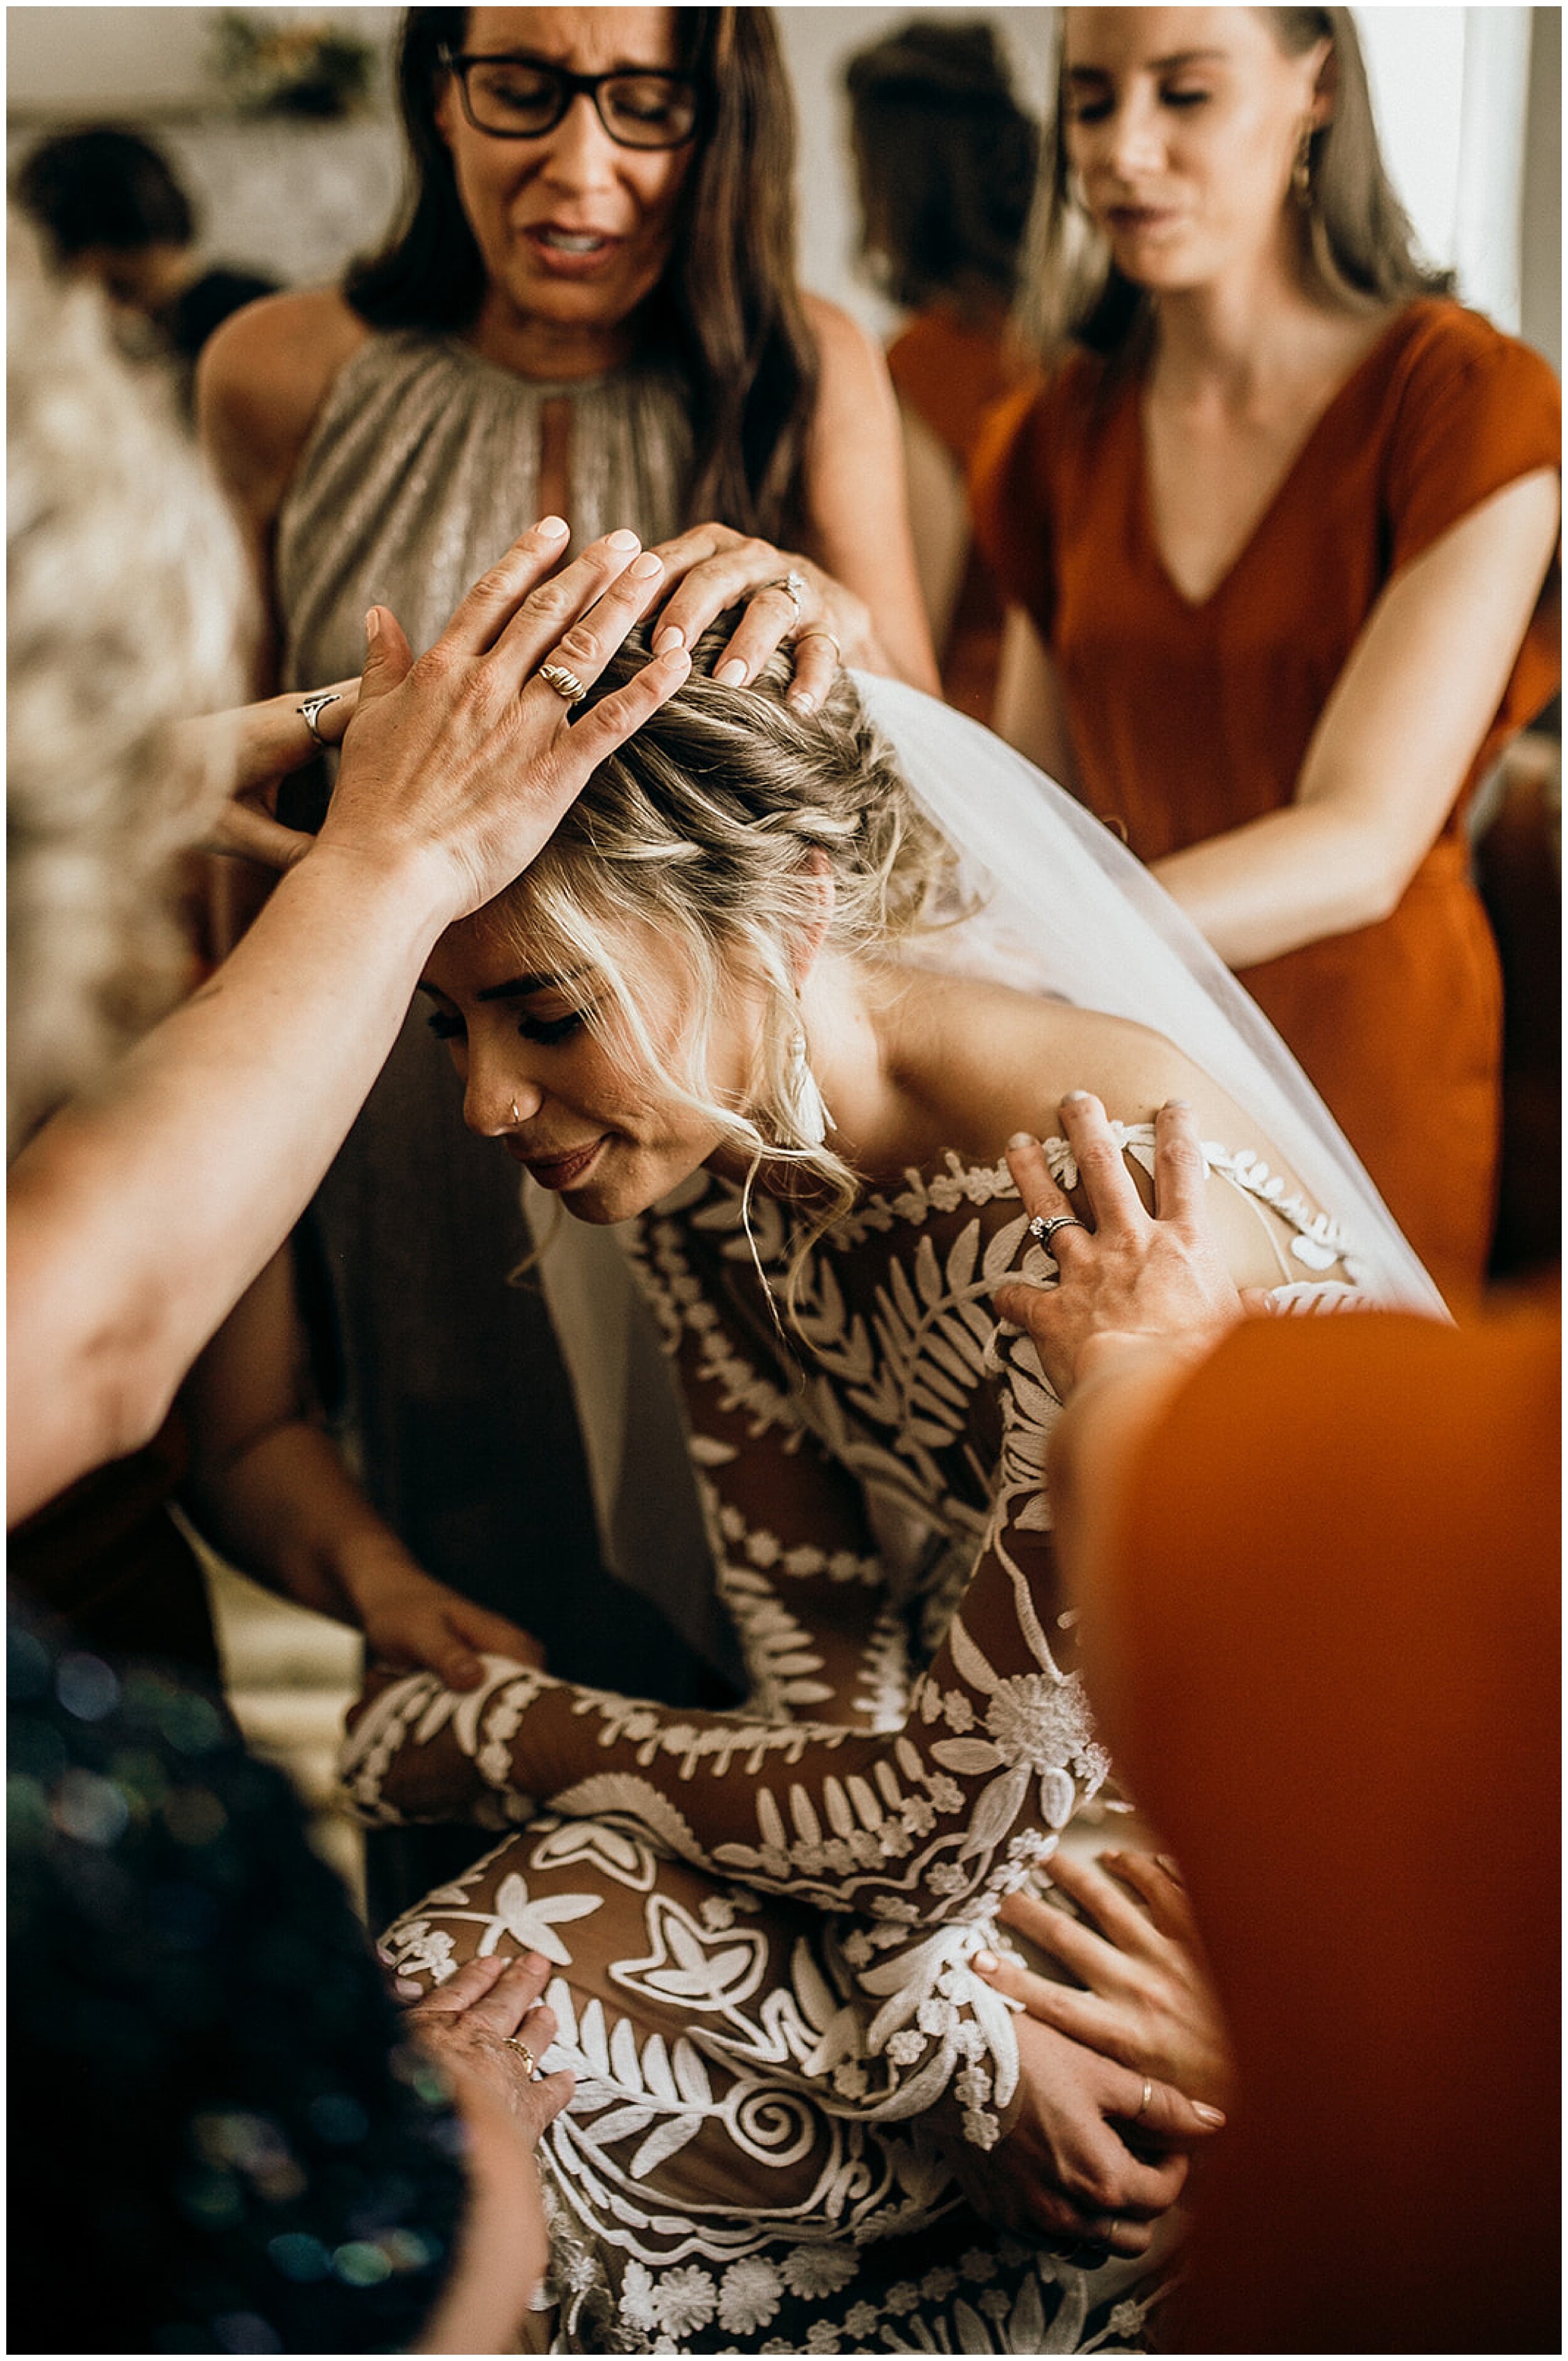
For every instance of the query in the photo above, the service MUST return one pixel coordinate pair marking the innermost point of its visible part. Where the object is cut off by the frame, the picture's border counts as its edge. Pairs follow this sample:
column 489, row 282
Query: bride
column 779, row 996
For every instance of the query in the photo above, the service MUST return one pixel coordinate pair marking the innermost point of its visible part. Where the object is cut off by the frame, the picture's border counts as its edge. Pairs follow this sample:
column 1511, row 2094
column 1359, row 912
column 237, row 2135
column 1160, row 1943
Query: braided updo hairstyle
column 702, row 828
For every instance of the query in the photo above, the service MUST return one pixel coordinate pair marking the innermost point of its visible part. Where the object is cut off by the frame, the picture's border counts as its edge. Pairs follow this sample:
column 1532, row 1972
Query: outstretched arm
column 138, row 1217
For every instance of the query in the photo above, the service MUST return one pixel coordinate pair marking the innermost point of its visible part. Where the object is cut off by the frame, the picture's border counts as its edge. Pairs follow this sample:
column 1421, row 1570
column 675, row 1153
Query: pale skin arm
column 1391, row 749
column 139, row 1216
column 270, row 1491
column 1030, row 712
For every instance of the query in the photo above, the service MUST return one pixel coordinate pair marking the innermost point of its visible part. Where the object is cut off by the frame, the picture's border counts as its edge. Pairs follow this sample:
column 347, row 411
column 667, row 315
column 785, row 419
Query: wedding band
column 1043, row 1232
column 529, row 2061
column 564, row 683
column 819, row 631
column 1143, row 2104
column 793, row 585
column 315, row 705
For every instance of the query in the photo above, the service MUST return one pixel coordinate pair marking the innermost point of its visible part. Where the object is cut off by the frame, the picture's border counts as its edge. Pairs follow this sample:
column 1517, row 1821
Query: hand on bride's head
column 459, row 765
column 1127, row 1280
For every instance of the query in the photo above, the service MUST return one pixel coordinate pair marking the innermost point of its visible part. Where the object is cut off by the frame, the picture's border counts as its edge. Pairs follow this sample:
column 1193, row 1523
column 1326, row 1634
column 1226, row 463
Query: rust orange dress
column 950, row 373
column 1191, row 718
column 1331, row 1663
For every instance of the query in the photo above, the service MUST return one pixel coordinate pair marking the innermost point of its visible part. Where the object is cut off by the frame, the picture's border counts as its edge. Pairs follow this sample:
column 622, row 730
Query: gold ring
column 531, row 2062
column 314, row 706
column 564, row 683
column 1143, row 2104
column 819, row 631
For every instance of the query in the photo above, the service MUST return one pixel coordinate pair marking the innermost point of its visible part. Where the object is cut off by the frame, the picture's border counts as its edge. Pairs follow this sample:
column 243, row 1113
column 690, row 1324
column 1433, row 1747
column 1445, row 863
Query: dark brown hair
column 945, row 159
column 1358, row 247
column 728, row 307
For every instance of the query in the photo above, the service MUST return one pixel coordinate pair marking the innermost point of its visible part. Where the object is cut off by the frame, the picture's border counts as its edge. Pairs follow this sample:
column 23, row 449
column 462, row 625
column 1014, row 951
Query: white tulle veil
column 1064, row 908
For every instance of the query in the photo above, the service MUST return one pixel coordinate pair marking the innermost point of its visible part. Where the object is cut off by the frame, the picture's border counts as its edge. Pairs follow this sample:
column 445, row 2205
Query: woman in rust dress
column 1274, row 537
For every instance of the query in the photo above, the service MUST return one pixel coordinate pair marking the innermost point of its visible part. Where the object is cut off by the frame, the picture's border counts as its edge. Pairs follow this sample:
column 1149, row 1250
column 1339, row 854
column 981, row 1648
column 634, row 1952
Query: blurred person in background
column 112, row 210
column 232, row 2142
column 591, row 303
column 1278, row 539
column 946, row 161
column 1353, row 1750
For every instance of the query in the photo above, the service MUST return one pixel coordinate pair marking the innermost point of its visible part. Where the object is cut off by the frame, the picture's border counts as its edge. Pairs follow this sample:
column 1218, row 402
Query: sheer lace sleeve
column 795, row 1558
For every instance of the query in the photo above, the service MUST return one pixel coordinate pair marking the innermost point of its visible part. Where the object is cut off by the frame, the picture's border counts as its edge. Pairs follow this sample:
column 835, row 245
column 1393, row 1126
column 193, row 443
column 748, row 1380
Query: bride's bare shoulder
column 992, row 1062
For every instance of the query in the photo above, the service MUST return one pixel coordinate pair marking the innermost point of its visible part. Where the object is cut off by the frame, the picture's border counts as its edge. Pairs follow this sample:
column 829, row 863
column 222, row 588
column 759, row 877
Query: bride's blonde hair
column 697, row 837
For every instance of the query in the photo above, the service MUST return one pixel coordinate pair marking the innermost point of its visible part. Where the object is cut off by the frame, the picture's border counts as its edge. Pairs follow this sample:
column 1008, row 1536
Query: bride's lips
column 569, row 251
column 558, row 1171
column 1136, row 221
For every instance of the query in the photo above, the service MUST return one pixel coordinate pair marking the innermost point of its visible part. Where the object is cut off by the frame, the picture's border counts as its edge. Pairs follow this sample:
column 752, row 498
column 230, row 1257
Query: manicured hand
column 1065, row 2170
column 1147, row 2002
column 468, row 2022
column 713, row 569
column 1131, row 1278
column 462, row 762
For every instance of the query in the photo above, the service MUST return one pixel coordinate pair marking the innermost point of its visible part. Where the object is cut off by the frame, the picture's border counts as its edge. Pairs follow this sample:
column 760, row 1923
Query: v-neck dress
column 1191, row 718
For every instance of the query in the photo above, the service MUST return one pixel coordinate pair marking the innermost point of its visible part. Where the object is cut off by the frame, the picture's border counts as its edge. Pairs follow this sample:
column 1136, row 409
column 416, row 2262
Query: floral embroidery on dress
column 762, row 1920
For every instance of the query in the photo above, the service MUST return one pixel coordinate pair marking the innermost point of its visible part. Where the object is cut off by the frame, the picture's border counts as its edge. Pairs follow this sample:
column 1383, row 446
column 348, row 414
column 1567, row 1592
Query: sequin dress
column 763, row 1921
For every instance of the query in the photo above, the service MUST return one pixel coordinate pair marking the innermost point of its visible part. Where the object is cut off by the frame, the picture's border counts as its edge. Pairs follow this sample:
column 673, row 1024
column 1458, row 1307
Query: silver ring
column 794, row 586
column 1043, row 1232
column 524, row 2052
column 313, row 706
column 564, row 683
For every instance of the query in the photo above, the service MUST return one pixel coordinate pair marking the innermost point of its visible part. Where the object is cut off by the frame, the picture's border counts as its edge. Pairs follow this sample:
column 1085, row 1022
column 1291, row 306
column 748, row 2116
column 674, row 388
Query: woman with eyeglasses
column 589, row 309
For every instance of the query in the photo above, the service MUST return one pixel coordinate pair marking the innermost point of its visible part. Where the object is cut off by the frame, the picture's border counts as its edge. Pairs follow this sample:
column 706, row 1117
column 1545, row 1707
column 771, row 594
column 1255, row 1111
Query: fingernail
column 800, row 700
column 643, row 568
column 1180, row 1107
column 1074, row 1098
column 372, row 627
column 730, row 674
column 668, row 636
column 553, row 528
column 1214, row 2116
column 624, row 540
column 985, row 1963
column 676, row 661
column 1023, row 1139
column 406, row 1989
column 1171, row 1867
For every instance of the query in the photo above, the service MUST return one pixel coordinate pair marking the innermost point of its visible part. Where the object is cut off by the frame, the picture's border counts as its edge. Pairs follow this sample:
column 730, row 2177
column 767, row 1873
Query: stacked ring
column 524, row 2052
column 313, row 707
column 564, row 683
column 1041, row 1231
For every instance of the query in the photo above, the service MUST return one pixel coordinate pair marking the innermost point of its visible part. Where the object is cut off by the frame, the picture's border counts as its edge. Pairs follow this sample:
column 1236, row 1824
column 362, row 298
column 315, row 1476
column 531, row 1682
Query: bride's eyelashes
column 543, row 1030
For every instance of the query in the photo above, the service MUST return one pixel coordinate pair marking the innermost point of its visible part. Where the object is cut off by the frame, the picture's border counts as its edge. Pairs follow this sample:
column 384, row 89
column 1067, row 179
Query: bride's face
column 581, row 1112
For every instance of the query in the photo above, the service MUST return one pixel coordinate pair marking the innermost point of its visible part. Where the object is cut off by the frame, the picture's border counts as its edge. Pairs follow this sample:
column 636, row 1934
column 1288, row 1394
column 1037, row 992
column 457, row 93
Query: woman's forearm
column 137, row 1217
column 1288, row 878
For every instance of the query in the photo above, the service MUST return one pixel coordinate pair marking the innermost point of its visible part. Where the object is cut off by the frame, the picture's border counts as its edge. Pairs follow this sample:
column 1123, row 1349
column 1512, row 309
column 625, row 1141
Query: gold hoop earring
column 1301, row 170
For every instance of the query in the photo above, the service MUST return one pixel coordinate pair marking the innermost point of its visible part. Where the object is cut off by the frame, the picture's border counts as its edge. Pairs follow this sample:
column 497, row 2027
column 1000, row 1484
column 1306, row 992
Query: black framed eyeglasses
column 516, row 97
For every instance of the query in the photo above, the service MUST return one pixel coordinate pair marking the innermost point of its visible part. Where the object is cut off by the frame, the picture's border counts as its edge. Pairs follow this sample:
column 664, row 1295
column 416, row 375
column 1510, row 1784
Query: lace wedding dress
column 762, row 1921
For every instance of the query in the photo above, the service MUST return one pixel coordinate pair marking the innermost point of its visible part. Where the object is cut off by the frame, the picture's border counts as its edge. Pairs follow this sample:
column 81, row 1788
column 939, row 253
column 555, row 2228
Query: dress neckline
column 1305, row 452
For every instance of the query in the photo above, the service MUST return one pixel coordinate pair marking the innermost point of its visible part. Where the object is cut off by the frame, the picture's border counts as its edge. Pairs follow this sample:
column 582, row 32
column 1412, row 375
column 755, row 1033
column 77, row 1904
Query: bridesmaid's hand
column 713, row 568
column 1128, row 1281
column 1147, row 2002
column 1092, row 2156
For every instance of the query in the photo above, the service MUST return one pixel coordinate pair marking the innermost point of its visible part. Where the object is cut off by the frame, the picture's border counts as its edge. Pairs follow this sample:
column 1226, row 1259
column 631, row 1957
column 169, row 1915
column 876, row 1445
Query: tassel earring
column 804, row 1110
